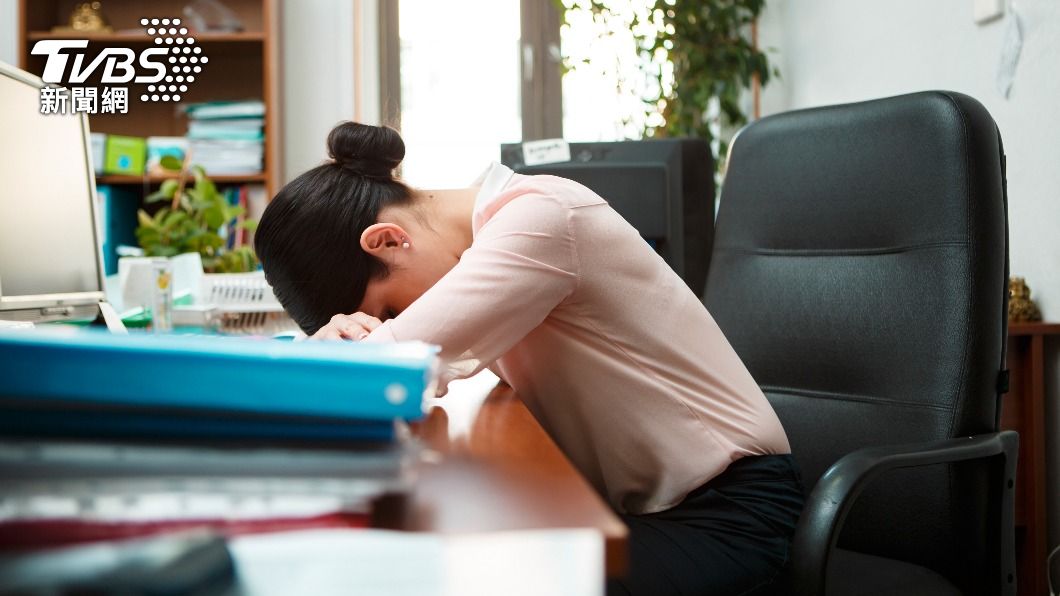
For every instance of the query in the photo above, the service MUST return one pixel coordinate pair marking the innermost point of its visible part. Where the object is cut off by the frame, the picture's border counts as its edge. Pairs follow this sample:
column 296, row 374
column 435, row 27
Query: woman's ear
column 378, row 238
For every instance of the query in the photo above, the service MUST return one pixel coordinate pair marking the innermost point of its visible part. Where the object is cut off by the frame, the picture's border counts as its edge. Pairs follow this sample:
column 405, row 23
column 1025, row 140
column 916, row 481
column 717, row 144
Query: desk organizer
column 245, row 302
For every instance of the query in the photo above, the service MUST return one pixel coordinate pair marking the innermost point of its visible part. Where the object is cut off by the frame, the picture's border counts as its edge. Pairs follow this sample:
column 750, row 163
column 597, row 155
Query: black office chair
column 859, row 269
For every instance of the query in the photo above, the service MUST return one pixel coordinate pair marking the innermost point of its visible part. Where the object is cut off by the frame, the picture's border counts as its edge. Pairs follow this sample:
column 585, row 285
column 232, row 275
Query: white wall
column 367, row 69
column 320, row 67
column 834, row 51
column 9, row 31
column 317, row 92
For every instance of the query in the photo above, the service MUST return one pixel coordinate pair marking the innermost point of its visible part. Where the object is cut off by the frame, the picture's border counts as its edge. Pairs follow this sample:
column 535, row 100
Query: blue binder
column 21, row 419
column 221, row 385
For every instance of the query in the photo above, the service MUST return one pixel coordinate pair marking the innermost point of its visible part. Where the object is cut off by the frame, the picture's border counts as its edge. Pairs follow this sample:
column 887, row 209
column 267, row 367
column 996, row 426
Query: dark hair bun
column 365, row 149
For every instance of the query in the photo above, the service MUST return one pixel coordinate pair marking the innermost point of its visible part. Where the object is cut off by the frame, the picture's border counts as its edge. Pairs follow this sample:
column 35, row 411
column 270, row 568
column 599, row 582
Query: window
column 459, row 87
column 461, row 77
column 603, row 95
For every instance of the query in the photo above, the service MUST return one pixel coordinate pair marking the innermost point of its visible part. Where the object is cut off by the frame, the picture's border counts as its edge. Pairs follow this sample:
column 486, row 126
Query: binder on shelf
column 117, row 221
column 227, row 137
column 239, row 129
column 215, row 110
column 124, row 155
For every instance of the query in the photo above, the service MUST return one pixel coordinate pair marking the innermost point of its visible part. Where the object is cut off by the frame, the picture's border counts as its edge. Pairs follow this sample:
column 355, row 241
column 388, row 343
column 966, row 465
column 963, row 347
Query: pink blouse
column 612, row 353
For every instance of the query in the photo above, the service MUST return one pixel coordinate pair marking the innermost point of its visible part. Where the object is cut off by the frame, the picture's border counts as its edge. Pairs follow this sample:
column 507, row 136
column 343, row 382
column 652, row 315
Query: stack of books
column 227, row 138
column 113, row 436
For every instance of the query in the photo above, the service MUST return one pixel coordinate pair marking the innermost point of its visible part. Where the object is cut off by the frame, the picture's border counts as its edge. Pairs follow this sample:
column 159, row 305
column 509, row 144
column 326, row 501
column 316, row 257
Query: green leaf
column 145, row 219
column 211, row 240
column 171, row 163
column 204, row 185
column 148, row 238
column 173, row 219
column 197, row 201
column 169, row 187
column 248, row 224
column 164, row 193
column 219, row 200
column 214, row 217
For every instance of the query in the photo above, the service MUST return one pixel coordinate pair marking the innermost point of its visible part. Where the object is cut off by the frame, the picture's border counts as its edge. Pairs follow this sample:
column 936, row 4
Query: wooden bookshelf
column 152, row 179
column 242, row 65
column 1024, row 410
column 117, row 37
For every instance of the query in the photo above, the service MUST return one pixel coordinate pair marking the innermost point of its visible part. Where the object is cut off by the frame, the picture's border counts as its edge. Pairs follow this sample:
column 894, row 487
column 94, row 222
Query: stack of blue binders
column 93, row 384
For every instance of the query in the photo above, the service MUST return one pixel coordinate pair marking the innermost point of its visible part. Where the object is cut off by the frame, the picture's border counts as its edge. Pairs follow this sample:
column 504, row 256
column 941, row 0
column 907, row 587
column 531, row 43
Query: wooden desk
column 1023, row 410
column 496, row 469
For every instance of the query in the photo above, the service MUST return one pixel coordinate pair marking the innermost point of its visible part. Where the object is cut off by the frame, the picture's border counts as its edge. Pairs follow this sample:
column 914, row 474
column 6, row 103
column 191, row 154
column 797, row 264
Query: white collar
column 491, row 183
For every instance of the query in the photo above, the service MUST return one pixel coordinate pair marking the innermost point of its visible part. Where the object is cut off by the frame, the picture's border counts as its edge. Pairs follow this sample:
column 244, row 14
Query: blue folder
column 221, row 385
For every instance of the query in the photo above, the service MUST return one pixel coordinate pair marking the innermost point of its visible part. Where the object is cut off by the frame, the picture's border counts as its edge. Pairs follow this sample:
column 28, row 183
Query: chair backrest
column 859, row 270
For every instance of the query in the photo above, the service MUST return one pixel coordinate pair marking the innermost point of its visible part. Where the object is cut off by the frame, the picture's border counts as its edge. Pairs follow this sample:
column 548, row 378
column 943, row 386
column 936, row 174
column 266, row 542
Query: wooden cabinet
column 1023, row 410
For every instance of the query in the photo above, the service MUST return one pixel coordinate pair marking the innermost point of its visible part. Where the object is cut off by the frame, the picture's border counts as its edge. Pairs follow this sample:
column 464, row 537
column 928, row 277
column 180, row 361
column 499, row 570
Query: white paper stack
column 227, row 138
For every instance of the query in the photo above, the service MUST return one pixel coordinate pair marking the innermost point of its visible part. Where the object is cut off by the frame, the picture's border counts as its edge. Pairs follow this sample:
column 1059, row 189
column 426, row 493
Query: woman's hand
column 353, row 327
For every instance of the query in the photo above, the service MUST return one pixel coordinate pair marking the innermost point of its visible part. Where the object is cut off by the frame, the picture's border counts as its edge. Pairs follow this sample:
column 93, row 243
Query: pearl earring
column 405, row 244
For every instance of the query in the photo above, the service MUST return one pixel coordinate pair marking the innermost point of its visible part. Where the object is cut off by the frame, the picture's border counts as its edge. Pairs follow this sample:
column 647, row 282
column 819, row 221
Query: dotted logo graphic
column 185, row 59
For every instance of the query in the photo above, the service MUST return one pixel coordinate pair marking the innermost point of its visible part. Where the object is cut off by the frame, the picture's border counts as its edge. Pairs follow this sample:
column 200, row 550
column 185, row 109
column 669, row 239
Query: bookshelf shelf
column 247, row 36
column 242, row 66
column 157, row 179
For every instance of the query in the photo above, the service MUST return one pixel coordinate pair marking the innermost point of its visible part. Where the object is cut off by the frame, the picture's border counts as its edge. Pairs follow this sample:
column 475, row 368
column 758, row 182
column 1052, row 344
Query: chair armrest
column 835, row 493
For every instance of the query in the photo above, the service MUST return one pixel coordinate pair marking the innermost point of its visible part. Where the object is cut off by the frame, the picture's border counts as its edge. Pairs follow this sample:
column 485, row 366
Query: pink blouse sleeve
column 520, row 266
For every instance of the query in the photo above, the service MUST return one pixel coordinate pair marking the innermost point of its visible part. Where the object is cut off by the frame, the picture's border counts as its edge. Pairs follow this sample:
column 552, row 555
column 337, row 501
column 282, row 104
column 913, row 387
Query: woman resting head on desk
column 539, row 279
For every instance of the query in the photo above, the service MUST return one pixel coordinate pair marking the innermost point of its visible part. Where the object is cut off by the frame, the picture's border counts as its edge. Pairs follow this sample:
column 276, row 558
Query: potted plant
column 699, row 55
column 198, row 219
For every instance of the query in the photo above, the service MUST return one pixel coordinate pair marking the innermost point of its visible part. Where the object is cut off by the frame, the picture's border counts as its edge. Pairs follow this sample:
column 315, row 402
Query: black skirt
column 726, row 538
